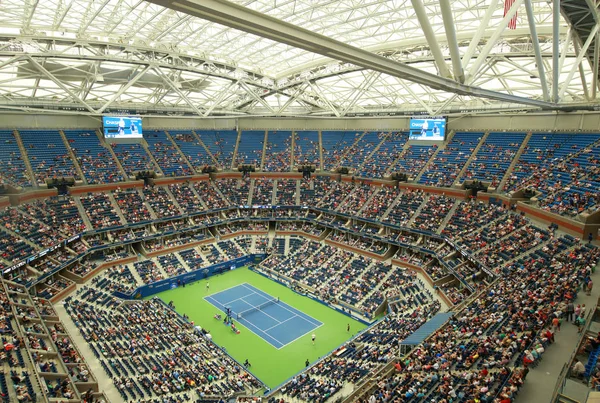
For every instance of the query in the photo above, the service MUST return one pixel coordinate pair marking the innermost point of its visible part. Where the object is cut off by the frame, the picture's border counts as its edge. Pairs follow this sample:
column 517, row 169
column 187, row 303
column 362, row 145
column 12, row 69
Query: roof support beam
column 260, row 100
column 595, row 66
column 536, row 49
column 220, row 98
column 493, row 39
column 124, row 88
column 244, row 19
column 61, row 85
column 315, row 87
column 586, row 91
column 555, row 42
column 440, row 62
column 457, row 68
column 369, row 79
column 479, row 34
column 417, row 98
column 174, row 87
column 580, row 56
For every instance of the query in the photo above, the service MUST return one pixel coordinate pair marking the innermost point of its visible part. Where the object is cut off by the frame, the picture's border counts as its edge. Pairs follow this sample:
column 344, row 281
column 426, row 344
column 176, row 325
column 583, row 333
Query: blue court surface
column 276, row 322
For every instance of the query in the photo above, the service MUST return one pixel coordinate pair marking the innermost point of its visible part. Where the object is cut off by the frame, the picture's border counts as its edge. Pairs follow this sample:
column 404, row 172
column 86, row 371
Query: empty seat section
column 250, row 149
column 307, row 148
column 12, row 167
column 191, row 148
column 94, row 159
column 48, row 155
column 278, row 151
column 494, row 157
column 447, row 164
column 220, row 143
column 166, row 154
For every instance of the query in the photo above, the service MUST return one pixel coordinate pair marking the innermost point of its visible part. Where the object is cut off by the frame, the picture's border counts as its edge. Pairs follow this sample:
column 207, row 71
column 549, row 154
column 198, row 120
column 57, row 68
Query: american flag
column 512, row 24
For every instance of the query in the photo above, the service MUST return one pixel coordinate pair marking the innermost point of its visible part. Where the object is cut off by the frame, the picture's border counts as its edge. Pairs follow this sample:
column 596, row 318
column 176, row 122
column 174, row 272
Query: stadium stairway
column 199, row 198
column 182, row 262
column 235, row 152
column 197, row 137
column 448, row 217
column 368, row 201
column 104, row 382
column 417, row 212
column 157, row 167
column 181, row 153
column 372, row 153
column 173, row 199
column 274, row 193
column 73, row 156
column 160, row 268
column 25, row 159
column 250, row 191
column 471, row 158
column 347, row 151
column 391, row 207
column 118, row 210
column 401, row 154
column 218, row 191
column 442, row 147
column 153, row 214
column 110, row 150
column 515, row 161
column 83, row 214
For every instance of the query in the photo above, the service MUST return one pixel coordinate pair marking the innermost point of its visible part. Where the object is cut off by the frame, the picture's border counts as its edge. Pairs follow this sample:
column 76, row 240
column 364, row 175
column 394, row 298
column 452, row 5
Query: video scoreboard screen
column 428, row 128
column 122, row 127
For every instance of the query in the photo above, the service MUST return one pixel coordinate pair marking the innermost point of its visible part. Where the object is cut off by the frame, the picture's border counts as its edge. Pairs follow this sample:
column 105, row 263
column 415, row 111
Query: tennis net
column 258, row 307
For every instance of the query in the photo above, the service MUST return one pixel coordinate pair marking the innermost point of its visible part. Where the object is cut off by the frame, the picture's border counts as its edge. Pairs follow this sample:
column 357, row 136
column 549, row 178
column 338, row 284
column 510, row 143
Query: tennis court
column 265, row 315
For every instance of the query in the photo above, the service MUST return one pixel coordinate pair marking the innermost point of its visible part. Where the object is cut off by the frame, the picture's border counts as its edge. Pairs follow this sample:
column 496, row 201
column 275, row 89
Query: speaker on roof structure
column 147, row 176
column 247, row 168
column 207, row 169
column 475, row 186
column 399, row 176
column 343, row 170
column 62, row 184
column 306, row 170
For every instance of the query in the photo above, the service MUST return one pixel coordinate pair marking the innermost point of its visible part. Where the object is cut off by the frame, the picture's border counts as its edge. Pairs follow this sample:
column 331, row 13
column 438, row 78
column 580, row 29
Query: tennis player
column 314, row 336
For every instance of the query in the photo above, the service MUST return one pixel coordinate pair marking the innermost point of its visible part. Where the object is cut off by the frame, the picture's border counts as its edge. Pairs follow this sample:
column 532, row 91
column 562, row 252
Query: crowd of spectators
column 148, row 350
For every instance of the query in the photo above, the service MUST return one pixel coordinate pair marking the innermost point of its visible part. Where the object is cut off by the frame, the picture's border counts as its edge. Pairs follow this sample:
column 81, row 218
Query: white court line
column 301, row 336
column 249, row 325
column 226, row 289
column 260, row 310
column 280, row 323
column 306, row 317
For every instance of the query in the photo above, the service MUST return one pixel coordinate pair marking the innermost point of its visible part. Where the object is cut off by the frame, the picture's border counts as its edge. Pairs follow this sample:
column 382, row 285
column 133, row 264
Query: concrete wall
column 585, row 121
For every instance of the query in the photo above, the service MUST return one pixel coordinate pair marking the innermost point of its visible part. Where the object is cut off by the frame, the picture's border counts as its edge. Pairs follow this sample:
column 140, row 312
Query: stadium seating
column 493, row 158
column 278, row 151
column 383, row 158
column 335, row 145
column 166, row 155
column 12, row 167
column 525, row 257
column 191, row 148
column 95, row 160
column 443, row 170
column 133, row 158
column 250, row 147
column 307, row 148
column 221, row 145
column 48, row 154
